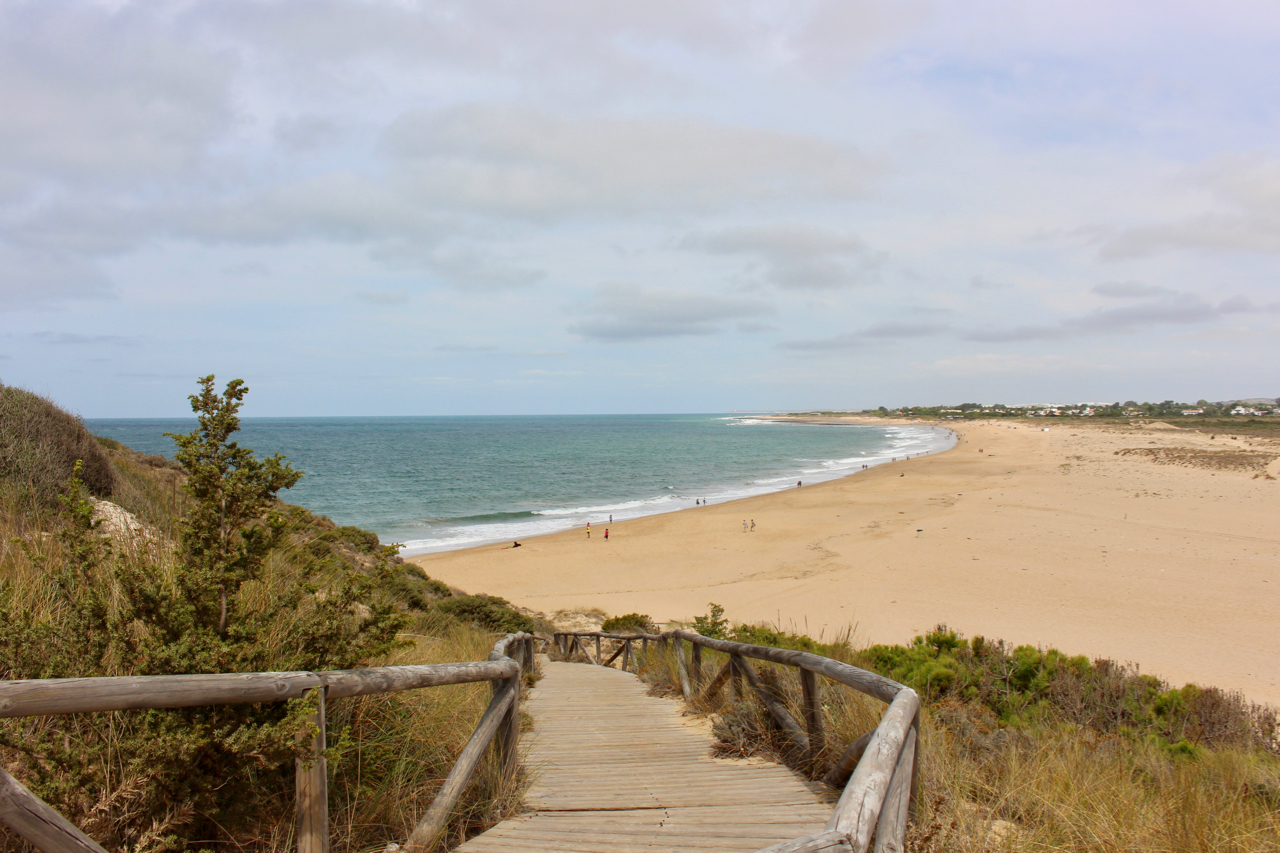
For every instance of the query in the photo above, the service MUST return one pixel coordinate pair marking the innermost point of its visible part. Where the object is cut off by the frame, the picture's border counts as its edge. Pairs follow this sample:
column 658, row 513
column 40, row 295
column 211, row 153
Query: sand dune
column 1156, row 546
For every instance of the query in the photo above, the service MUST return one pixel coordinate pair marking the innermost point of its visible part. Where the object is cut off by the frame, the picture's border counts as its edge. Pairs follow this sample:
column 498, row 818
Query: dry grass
column 1041, row 786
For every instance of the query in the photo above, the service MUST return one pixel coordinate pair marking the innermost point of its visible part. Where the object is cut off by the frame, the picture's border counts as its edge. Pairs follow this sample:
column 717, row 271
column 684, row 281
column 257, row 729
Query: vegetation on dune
column 223, row 577
column 1025, row 749
column 629, row 623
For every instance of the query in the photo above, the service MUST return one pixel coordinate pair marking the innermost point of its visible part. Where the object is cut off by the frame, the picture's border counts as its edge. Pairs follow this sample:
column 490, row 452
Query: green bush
column 487, row 611
column 714, row 624
column 630, row 623
column 40, row 444
column 229, row 599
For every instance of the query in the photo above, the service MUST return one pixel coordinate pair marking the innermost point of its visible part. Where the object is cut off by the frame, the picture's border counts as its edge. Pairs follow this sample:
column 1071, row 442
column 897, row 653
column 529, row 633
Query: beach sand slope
column 1158, row 546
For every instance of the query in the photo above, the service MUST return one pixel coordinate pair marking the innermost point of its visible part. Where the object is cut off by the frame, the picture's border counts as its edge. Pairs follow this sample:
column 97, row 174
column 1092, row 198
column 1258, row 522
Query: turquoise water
column 442, row 483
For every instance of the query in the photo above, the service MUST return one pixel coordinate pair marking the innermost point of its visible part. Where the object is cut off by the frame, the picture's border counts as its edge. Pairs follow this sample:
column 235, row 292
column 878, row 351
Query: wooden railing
column 50, row 832
column 877, row 771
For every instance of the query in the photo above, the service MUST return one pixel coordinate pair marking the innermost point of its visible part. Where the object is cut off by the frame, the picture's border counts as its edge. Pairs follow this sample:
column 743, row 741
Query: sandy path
column 1130, row 543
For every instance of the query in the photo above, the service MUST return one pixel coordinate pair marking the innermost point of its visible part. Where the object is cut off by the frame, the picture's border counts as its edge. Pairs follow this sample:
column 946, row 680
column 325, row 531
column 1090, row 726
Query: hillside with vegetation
column 117, row 563
column 1029, row 749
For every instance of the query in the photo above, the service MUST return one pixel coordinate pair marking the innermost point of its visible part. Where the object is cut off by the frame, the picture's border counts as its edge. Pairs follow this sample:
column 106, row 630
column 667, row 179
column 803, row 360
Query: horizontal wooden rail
column 49, row 832
column 879, row 767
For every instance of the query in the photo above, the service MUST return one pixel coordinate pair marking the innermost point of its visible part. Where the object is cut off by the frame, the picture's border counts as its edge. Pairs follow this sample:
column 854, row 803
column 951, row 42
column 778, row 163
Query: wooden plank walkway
column 619, row 771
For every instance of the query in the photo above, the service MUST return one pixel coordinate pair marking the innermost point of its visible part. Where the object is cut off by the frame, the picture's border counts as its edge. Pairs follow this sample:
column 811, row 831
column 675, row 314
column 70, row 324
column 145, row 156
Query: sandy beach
column 1153, row 545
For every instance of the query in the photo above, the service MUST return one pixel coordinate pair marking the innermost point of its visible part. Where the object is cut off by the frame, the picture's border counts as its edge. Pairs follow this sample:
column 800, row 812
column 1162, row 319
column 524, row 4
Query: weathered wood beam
column 812, row 692
column 777, row 710
column 685, row 690
column 863, row 798
column 891, row 829
column 696, row 670
column 427, row 830
column 838, row 776
column 718, row 682
column 869, row 683
column 597, row 649
column 311, row 783
column 33, row 819
column 31, row 698
column 825, row 842
column 614, row 656
column 390, row 679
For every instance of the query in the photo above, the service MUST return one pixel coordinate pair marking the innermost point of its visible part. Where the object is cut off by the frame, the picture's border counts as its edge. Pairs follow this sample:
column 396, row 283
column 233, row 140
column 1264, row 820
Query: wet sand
column 1158, row 546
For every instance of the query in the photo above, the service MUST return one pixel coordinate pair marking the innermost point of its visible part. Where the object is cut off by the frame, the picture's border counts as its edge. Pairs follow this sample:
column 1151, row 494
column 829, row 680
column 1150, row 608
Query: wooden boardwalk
column 619, row 771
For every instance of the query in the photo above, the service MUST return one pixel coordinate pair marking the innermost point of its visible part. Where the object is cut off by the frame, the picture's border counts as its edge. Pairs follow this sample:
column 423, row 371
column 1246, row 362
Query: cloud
column 1246, row 189
column 1244, row 305
column 467, row 348
column 521, row 162
column 37, row 278
column 626, row 312
column 461, row 267
column 796, row 257
column 74, row 339
column 384, row 297
column 870, row 335
column 1182, row 308
column 1130, row 290
column 980, row 283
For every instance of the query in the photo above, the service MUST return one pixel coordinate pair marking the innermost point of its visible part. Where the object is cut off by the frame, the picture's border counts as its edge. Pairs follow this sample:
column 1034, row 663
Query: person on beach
column 744, row 525
column 515, row 544
column 799, row 484
column 606, row 533
column 753, row 525
column 588, row 530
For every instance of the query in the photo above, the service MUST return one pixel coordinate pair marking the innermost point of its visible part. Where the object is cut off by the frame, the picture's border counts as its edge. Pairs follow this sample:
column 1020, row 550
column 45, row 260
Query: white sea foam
column 902, row 441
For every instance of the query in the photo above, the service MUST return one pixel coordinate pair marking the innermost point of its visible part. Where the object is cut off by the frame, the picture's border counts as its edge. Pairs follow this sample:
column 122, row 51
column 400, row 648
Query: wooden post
column 812, row 712
column 718, row 682
column 838, row 776
column 891, row 828
column 42, row 827
column 697, row 663
column 424, row 834
column 312, row 785
column 598, row 650
column 626, row 655
column 644, row 645
column 735, row 662
column 782, row 718
column 509, row 728
column 680, row 667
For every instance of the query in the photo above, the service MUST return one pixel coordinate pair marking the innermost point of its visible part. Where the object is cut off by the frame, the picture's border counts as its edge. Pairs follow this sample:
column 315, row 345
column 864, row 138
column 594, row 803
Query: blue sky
column 382, row 207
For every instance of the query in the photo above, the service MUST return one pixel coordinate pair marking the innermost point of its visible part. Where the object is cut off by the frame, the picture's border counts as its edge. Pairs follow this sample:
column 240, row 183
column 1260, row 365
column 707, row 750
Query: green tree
column 233, row 526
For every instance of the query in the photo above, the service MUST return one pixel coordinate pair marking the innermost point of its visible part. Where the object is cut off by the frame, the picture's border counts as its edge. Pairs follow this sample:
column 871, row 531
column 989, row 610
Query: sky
column 386, row 207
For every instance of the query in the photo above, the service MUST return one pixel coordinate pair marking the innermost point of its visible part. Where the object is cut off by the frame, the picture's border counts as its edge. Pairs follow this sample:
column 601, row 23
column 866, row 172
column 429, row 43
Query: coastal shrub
column 630, row 623
column 40, row 444
column 712, row 625
column 228, row 598
column 413, row 587
column 361, row 540
column 487, row 611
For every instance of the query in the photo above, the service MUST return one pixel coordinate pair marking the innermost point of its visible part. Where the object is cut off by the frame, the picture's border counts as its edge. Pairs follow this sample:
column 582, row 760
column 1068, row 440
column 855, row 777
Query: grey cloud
column 520, row 162
column 1130, row 290
column 1248, row 190
column 1244, row 305
column 980, row 283
column 36, row 278
column 1178, row 309
column 796, row 257
column 384, row 297
column 74, row 339
column 623, row 312
column 462, row 267
column 467, row 348
column 94, row 93
column 849, row 340
column 874, row 333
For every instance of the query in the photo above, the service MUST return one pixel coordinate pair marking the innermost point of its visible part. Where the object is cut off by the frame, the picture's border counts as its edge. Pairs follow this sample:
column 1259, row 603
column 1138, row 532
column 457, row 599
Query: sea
column 442, row 483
